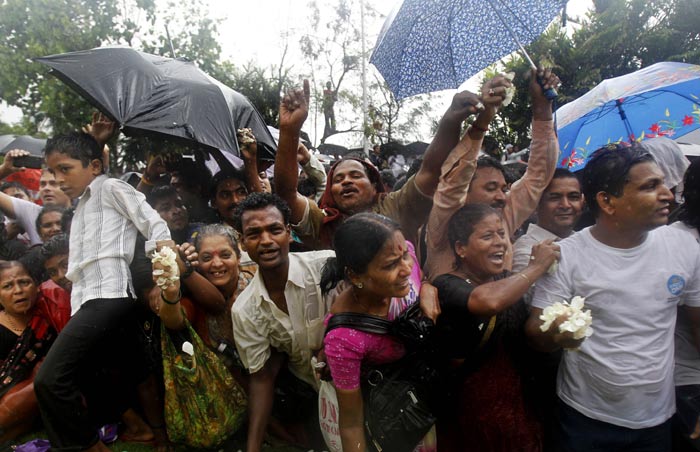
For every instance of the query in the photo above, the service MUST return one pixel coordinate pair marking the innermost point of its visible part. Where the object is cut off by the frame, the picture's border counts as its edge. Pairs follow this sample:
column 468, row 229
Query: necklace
column 12, row 323
column 468, row 277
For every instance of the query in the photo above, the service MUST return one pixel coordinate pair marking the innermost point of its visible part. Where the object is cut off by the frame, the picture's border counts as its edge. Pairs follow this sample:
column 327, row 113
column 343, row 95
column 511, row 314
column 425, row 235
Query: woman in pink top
column 384, row 279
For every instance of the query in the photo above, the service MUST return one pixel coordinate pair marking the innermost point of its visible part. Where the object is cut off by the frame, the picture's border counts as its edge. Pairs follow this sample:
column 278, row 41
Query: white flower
column 245, row 136
column 577, row 320
column 510, row 91
column 167, row 258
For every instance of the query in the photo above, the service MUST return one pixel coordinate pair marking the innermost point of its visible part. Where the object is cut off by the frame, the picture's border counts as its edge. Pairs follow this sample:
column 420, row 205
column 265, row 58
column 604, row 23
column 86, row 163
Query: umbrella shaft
column 512, row 34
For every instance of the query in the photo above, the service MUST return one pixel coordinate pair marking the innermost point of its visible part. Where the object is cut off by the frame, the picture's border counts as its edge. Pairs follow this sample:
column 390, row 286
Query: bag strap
column 487, row 334
column 362, row 322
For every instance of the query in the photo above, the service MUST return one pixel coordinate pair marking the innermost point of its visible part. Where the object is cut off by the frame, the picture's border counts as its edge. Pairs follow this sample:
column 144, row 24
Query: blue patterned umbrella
column 430, row 45
column 661, row 100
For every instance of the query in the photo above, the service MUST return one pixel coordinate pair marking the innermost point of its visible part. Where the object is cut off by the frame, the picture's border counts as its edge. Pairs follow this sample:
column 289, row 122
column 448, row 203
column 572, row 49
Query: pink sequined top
column 347, row 350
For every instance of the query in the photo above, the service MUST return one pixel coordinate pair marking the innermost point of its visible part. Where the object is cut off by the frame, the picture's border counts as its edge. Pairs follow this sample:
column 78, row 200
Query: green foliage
column 34, row 28
column 618, row 37
column 261, row 86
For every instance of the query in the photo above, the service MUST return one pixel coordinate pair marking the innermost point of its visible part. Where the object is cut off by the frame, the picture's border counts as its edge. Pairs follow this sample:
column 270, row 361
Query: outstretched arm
column 260, row 399
column 249, row 151
column 525, row 194
column 294, row 109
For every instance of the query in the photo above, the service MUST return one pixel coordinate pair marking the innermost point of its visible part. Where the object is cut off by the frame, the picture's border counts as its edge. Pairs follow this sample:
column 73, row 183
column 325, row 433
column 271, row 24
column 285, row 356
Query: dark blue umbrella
column 430, row 45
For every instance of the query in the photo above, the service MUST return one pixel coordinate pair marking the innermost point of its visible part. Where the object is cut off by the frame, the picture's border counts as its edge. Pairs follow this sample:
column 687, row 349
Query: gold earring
column 359, row 285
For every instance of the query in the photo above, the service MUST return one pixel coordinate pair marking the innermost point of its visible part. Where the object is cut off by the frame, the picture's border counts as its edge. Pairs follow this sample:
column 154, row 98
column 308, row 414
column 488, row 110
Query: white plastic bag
column 328, row 416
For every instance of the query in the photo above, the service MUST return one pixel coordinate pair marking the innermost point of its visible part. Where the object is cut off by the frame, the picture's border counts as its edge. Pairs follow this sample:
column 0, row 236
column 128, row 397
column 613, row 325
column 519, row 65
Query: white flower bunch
column 245, row 136
column 510, row 92
column 167, row 258
column 578, row 321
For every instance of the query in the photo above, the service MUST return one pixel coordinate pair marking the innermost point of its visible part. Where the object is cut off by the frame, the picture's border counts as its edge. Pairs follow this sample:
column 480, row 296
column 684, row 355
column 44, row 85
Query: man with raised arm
column 355, row 185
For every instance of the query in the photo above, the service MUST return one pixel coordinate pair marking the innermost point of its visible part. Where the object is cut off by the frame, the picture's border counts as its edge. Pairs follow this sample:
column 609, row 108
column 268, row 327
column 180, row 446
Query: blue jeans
column 579, row 433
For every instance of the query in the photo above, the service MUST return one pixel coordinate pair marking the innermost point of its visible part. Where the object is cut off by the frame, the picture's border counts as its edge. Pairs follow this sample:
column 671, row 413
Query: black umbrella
column 332, row 149
column 150, row 94
column 32, row 145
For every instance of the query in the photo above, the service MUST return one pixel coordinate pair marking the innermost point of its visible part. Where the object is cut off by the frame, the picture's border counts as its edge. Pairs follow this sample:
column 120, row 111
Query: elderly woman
column 30, row 320
column 481, row 330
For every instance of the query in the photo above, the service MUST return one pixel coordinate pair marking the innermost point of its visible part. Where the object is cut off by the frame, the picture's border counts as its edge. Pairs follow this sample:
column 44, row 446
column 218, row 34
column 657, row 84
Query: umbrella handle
column 550, row 93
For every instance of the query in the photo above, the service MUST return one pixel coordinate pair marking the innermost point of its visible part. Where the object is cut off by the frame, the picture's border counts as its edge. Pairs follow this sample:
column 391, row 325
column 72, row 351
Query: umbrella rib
column 517, row 18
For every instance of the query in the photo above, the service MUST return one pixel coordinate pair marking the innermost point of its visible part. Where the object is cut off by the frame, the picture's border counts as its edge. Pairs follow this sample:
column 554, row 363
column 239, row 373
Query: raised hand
column 541, row 106
column 463, row 105
column 101, row 128
column 494, row 91
column 8, row 165
column 247, row 144
column 544, row 254
column 294, row 108
column 303, row 155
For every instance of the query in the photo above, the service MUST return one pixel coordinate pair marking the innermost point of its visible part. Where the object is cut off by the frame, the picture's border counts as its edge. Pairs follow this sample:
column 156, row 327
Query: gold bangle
column 524, row 276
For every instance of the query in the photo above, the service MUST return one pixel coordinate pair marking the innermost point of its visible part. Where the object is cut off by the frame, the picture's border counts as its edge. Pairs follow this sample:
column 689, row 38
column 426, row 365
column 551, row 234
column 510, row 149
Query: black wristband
column 166, row 301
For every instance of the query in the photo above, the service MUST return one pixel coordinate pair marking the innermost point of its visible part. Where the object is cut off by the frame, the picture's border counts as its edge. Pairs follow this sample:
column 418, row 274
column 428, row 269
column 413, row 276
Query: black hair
column 159, row 193
column 55, row 246
column 307, row 188
column 217, row 229
column 196, row 175
column 388, row 178
column 486, row 161
column 48, row 209
column 461, row 225
column 689, row 212
column 76, row 145
column 16, row 185
column 258, row 201
column 224, row 175
column 369, row 230
column 563, row 173
column 67, row 219
column 608, row 171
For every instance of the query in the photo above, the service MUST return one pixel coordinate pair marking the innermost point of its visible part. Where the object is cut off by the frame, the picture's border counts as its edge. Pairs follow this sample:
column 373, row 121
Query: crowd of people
column 267, row 272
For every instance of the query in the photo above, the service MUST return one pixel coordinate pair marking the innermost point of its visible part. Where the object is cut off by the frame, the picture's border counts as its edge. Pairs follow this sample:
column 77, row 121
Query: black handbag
column 398, row 397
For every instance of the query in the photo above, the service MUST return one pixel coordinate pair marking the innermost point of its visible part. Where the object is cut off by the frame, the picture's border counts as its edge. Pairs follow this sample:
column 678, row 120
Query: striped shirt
column 107, row 220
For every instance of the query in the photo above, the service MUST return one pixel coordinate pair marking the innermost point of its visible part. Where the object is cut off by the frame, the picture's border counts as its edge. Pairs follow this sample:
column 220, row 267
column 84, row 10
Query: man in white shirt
column 281, row 312
column 616, row 392
column 558, row 211
column 26, row 212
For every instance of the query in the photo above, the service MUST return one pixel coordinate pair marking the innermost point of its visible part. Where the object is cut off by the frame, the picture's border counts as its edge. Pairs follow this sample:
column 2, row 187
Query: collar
column 94, row 186
column 295, row 275
column 296, row 271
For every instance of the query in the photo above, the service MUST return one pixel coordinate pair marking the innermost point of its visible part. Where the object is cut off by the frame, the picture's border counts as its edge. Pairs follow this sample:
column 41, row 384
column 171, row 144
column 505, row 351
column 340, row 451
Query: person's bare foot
column 135, row 428
column 162, row 443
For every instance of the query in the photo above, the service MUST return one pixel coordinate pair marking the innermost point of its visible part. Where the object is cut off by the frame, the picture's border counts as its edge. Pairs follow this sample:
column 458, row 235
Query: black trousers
column 89, row 374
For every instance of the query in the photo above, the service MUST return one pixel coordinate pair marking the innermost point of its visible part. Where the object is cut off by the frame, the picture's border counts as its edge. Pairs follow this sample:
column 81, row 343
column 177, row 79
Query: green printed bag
column 204, row 405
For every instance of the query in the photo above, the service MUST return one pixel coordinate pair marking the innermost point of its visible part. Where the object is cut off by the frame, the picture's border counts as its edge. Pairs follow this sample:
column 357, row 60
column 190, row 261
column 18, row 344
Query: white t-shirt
column 623, row 373
column 687, row 370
